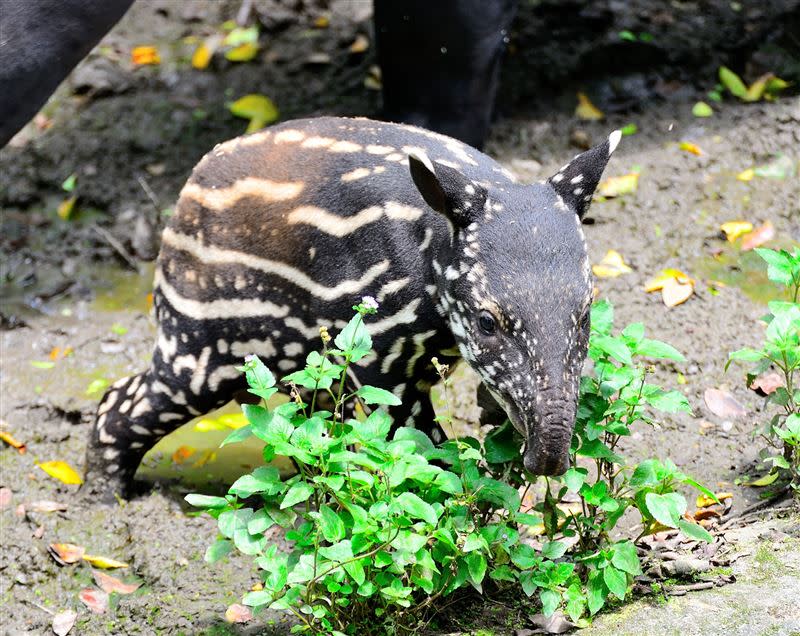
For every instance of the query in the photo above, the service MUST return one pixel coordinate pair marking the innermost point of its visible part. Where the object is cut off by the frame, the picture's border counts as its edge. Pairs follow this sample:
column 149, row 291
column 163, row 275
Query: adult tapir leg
column 440, row 62
column 41, row 41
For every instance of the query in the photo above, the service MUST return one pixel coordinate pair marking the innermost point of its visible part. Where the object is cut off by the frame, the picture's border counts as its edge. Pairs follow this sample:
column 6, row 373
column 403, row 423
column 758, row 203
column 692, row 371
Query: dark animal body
column 280, row 232
column 440, row 60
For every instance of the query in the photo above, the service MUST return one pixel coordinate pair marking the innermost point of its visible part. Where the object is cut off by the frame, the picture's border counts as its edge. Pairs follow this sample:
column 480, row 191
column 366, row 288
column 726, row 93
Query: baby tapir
column 282, row 231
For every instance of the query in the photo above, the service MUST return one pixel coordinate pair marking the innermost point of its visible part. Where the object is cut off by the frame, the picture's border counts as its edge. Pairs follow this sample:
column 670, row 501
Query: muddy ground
column 132, row 135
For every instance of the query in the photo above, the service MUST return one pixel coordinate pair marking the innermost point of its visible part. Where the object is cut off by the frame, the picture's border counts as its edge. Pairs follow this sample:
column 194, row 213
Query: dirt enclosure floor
column 75, row 315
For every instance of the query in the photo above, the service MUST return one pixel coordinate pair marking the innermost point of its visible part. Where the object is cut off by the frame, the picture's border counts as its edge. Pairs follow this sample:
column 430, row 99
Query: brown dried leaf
column 237, row 613
column 360, row 44
column 9, row 439
column 723, row 404
column 63, row 622
column 47, row 506
column 759, row 236
column 111, row 584
column 5, row 497
column 95, row 600
column 66, row 553
column 767, row 383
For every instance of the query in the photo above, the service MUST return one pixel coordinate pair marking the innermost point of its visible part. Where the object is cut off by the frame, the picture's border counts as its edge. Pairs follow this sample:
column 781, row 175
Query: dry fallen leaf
column 657, row 283
column 617, row 186
column 47, row 506
column 110, row 584
column 242, row 53
column 611, row 266
column 221, row 423
column 675, row 292
column 707, row 513
column 145, row 55
column 66, row 208
column 322, row 22
column 723, row 404
column 63, row 622
column 205, row 457
column 735, row 229
column 586, row 110
column 66, row 553
column 237, row 613
column 182, row 453
column 5, row 497
column 104, row 562
column 746, row 175
column 688, row 146
column 766, row 480
column 759, row 236
column 9, row 439
column 704, row 501
column 767, row 383
column 95, row 600
column 61, row 471
column 360, row 44
column 259, row 109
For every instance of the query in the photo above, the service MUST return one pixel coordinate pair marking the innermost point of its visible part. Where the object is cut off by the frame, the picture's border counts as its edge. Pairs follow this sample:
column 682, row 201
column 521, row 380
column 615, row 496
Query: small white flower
column 369, row 302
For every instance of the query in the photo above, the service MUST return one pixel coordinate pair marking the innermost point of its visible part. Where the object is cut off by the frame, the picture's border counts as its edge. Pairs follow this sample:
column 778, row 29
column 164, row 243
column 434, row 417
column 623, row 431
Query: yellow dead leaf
column 206, row 457
column 756, row 90
column 657, row 283
column 201, row 57
column 704, row 501
column 746, row 175
column 104, row 562
column 735, row 229
column 221, row 423
column 61, row 471
column 617, row 186
column 14, row 443
column 586, row 110
column 243, row 53
column 611, row 266
column 360, row 44
column 66, row 207
column 689, row 147
column 182, row 453
column 145, row 55
column 674, row 292
column 322, row 22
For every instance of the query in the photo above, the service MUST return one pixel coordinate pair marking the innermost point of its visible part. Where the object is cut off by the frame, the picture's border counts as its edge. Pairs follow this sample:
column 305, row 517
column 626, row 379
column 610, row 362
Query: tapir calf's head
column 517, row 288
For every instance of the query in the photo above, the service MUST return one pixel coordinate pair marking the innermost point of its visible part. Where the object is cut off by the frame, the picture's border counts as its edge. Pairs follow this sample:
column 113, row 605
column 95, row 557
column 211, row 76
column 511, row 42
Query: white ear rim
column 423, row 159
column 613, row 141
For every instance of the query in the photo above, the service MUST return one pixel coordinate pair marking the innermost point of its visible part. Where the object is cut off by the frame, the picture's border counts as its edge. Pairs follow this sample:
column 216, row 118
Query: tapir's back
column 326, row 205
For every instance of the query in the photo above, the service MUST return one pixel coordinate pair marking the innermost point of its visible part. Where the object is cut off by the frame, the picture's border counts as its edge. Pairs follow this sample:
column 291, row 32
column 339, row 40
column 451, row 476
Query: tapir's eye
column 487, row 323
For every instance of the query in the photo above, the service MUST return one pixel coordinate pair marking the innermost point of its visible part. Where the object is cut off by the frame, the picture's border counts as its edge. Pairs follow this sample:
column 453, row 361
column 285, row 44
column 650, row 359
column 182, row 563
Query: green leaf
column 658, row 349
column 476, row 564
column 695, row 531
column 574, row 478
column 422, row 441
column 373, row 395
column 206, row 501
column 614, row 347
column 779, row 265
column 354, row 339
column 616, row 581
column 667, row 401
column 746, row 355
column 602, row 317
column 330, row 524
column 666, row 509
column 239, row 435
column 701, row 109
column 266, row 479
column 256, row 599
column 417, row 508
column 502, row 444
column 217, row 550
column 498, row 493
column 356, row 571
column 339, row 551
column 732, row 82
column 554, row 549
column 69, row 183
column 524, row 556
column 597, row 591
column 625, row 558
column 550, row 601
column 448, row 482
column 259, row 377
column 300, row 491
column 473, row 542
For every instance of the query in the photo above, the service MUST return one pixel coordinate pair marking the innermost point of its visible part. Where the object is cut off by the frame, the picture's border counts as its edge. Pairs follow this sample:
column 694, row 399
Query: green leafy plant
column 780, row 350
column 381, row 524
column 765, row 87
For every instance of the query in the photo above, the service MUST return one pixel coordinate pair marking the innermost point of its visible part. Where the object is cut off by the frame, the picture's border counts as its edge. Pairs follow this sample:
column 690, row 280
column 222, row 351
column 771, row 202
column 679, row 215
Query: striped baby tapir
column 282, row 231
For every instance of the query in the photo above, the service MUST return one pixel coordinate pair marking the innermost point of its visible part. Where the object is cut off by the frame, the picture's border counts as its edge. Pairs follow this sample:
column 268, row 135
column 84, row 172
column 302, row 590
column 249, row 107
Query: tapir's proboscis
column 280, row 232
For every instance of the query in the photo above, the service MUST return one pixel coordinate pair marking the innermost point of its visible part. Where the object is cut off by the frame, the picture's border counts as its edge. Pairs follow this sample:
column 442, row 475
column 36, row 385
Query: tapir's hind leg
column 136, row 412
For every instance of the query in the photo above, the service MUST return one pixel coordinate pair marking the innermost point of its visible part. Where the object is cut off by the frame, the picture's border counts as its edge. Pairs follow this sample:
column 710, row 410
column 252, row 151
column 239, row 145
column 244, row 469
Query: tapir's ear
column 576, row 182
column 447, row 191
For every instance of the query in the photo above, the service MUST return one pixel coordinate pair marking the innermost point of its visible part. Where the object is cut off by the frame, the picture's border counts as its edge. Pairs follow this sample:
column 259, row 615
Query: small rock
column 686, row 567
column 726, row 426
column 580, row 139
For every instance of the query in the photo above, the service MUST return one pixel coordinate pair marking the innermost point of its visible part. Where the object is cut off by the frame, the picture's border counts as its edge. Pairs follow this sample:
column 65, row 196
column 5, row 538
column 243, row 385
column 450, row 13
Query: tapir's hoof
column 108, row 482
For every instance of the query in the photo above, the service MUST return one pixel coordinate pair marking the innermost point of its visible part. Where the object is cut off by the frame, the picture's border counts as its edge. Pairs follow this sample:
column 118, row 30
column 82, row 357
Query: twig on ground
column 120, row 249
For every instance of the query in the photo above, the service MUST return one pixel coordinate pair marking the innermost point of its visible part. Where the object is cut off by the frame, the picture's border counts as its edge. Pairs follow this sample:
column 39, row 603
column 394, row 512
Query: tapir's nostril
column 544, row 463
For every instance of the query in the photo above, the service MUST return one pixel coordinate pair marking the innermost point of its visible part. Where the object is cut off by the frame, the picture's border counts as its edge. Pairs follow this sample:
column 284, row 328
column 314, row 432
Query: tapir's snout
column 549, row 435
column 550, row 464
